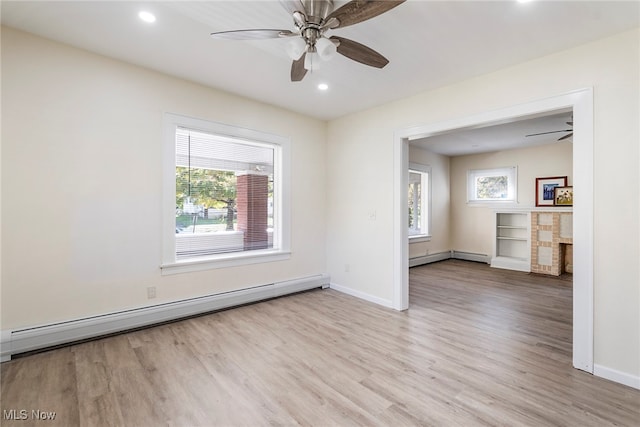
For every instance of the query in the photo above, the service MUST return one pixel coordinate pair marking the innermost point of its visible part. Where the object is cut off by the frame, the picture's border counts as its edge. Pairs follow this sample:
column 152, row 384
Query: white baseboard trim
column 617, row 376
column 38, row 337
column 428, row 259
column 362, row 295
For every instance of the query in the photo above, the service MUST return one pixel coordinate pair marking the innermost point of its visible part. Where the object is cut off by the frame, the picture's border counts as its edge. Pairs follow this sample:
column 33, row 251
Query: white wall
column 471, row 226
column 611, row 67
column 440, row 229
column 81, row 183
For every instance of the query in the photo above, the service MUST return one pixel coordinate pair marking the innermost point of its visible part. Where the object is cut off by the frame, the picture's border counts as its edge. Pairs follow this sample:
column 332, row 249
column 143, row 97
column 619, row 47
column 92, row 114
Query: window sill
column 224, row 261
column 417, row 238
column 491, row 203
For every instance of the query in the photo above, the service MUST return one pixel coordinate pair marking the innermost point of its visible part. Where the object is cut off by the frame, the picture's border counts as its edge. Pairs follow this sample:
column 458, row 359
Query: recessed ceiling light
column 147, row 16
column 323, row 86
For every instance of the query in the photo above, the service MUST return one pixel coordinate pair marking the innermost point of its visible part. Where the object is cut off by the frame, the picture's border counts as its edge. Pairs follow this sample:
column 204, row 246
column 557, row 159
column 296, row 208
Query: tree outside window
column 492, row 185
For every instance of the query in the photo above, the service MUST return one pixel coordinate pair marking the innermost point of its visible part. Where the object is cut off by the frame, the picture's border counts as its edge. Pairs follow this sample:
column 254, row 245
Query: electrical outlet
column 371, row 215
column 346, row 268
column 151, row 292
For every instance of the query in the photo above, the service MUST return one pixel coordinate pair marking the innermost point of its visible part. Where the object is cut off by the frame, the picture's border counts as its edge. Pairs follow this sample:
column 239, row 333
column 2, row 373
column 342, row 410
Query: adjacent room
column 320, row 213
column 480, row 185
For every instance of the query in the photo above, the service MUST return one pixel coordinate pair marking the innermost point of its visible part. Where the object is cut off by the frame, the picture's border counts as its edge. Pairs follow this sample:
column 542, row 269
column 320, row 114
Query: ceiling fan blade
column 297, row 69
column 359, row 10
column 553, row 131
column 360, row 53
column 565, row 137
column 252, row 34
column 293, row 6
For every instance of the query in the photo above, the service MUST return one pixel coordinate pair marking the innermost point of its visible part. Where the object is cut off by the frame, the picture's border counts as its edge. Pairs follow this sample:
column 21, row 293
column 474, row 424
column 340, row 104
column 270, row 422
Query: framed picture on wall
column 545, row 189
column 563, row 196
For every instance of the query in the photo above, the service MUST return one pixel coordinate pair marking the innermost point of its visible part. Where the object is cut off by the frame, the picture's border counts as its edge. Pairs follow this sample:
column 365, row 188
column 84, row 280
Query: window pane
column 415, row 202
column 224, row 194
column 492, row 187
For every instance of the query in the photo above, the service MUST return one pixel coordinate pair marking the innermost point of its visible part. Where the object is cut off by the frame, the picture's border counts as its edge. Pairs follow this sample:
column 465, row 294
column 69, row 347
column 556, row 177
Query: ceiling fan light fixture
column 326, row 49
column 311, row 60
column 296, row 47
column 312, row 18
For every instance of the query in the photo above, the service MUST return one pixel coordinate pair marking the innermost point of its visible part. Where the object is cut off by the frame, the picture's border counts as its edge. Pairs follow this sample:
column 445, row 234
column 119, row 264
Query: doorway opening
column 581, row 103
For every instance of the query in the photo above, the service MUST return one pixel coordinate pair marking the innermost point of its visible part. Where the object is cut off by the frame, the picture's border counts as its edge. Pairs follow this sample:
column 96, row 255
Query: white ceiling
column 498, row 137
column 429, row 43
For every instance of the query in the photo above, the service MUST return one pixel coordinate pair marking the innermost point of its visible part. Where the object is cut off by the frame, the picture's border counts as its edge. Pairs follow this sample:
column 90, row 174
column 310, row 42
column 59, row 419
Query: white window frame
column 510, row 172
column 281, row 210
column 425, row 226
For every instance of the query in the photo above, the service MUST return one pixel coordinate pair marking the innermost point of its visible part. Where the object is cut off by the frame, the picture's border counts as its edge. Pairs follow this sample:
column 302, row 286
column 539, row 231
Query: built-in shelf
column 511, row 248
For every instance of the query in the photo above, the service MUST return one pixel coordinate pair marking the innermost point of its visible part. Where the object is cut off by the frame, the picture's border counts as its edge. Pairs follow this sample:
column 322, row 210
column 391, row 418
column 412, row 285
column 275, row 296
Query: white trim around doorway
column 581, row 103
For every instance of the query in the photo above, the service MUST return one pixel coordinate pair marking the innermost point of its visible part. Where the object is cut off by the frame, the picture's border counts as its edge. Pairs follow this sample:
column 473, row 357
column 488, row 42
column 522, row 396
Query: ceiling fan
column 562, row 138
column 312, row 19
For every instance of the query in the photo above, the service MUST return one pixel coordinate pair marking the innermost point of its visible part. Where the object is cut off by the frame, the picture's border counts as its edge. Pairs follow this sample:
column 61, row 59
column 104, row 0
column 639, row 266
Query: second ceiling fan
column 312, row 19
column 562, row 138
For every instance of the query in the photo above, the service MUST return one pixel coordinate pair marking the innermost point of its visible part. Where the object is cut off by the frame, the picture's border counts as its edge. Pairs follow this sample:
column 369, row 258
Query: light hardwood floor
column 478, row 346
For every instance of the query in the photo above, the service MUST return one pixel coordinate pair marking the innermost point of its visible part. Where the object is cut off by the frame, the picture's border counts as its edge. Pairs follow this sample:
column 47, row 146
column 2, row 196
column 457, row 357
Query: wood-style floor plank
column 36, row 386
column 478, row 346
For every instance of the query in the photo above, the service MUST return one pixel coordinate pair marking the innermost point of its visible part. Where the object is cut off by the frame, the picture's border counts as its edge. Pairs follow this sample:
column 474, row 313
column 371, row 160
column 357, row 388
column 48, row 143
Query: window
column 224, row 195
column 492, row 185
column 419, row 198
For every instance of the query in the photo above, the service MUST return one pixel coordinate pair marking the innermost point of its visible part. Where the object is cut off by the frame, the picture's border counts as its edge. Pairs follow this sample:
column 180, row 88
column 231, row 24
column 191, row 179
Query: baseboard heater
column 428, row 259
column 469, row 256
column 18, row 341
column 441, row 256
